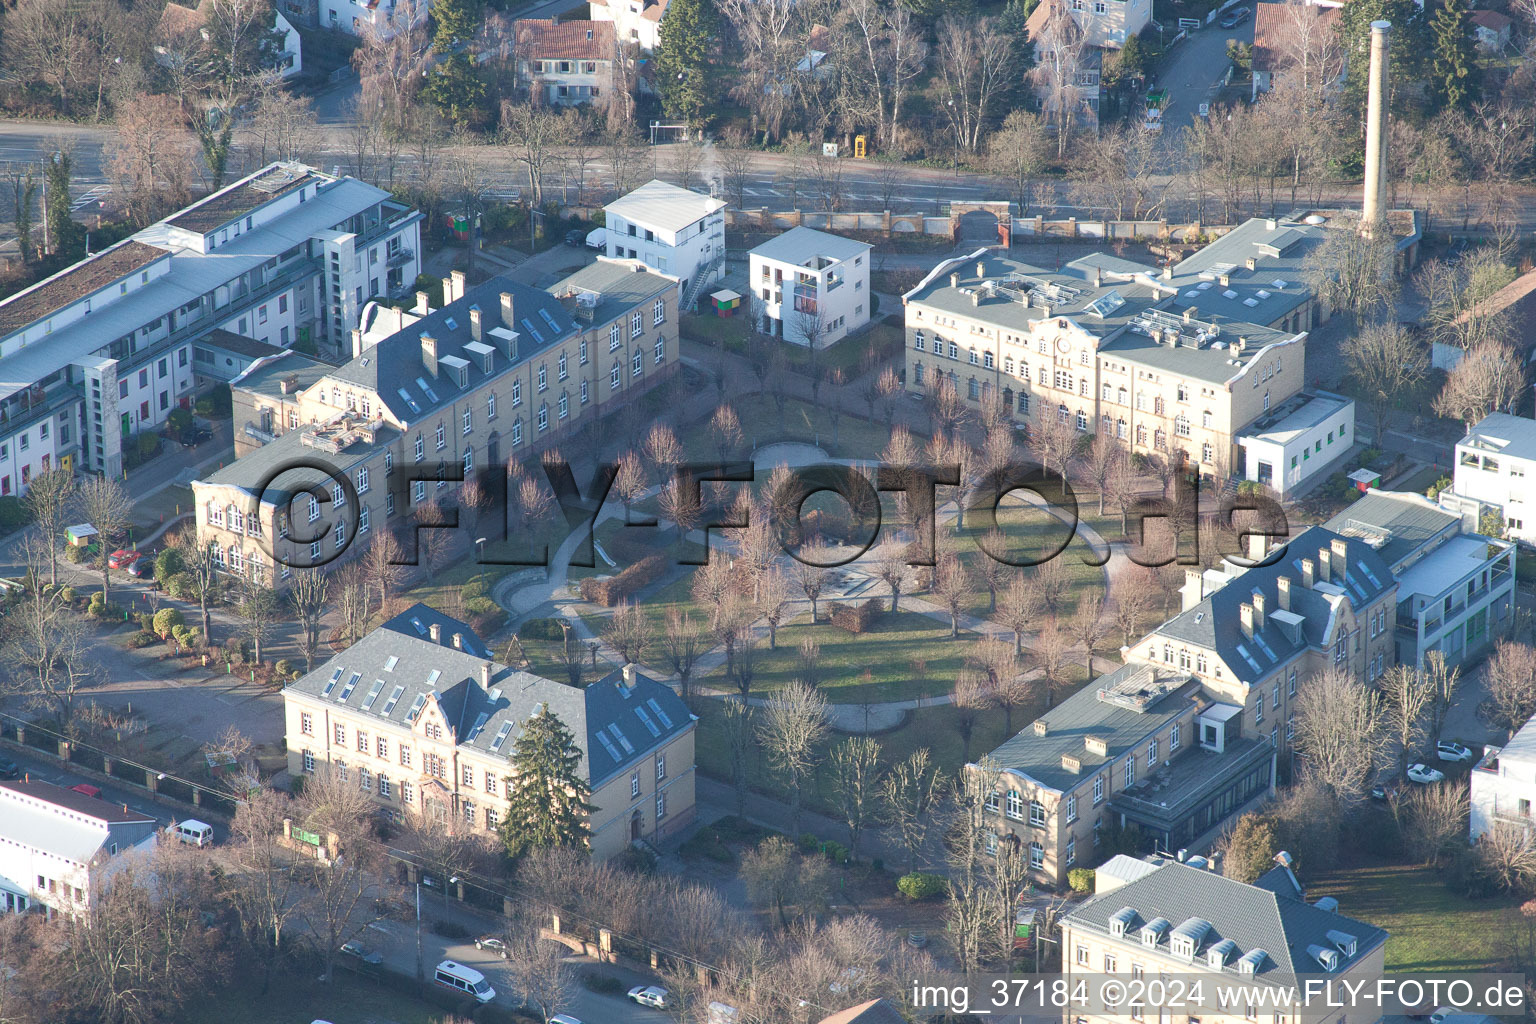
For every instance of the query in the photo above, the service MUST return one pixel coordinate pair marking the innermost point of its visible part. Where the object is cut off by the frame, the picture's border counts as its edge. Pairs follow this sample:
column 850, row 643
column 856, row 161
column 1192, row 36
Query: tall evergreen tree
column 547, row 798
column 66, row 239
column 454, row 21
column 1453, row 73
column 1409, row 48
column 682, row 59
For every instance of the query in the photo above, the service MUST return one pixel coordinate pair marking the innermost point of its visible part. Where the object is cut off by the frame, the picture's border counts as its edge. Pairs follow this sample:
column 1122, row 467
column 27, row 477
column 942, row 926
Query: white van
column 454, row 975
column 194, row 832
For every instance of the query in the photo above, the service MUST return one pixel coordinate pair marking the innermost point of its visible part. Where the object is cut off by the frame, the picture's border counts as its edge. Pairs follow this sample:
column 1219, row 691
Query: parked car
column 1454, row 752
column 85, row 789
column 563, row 1018
column 1235, row 17
column 8, row 769
column 1423, row 774
column 575, row 236
column 194, row 436
column 653, row 996
column 1384, row 793
column 122, row 558
column 492, row 944
column 362, row 952
column 141, row 568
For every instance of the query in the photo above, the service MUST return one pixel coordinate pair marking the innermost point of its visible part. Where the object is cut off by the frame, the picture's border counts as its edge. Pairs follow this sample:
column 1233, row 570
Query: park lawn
column 349, row 999
column 874, row 666
column 857, row 437
column 1431, row 927
column 1032, row 533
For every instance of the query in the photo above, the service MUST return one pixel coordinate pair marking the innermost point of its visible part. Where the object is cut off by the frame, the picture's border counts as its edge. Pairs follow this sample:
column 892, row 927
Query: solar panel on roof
column 666, row 719
column 394, row 697
column 501, row 736
column 373, row 694
column 346, row 691
column 332, row 684
column 647, row 721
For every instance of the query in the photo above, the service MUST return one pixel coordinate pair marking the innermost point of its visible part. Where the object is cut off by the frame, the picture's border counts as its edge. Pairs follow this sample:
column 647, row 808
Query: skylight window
column 528, row 326
column 433, row 677
column 453, row 324
column 1278, row 282
column 394, row 697
column 501, row 737
column 647, row 721
column 346, row 691
column 613, row 751
column 544, row 313
column 1229, row 294
column 420, row 629
column 416, row 706
column 1263, row 293
column 1250, row 301
column 623, row 740
column 1246, row 656
column 1264, row 646
column 390, row 663
column 373, row 693
column 414, row 408
column 1203, row 285
column 426, row 388
column 479, row 724
column 332, row 684
column 666, row 719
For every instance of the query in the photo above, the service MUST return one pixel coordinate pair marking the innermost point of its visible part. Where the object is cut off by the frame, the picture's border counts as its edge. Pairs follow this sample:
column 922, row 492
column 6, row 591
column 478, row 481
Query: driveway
column 1195, row 74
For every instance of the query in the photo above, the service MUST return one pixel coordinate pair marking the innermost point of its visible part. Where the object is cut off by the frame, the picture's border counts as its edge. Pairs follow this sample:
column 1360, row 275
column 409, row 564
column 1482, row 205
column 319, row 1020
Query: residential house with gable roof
column 425, row 720
column 502, row 371
column 1192, row 922
column 565, row 63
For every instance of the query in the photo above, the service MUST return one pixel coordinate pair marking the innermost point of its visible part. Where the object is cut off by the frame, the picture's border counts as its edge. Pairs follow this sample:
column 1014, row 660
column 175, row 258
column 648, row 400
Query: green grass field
column 1432, row 928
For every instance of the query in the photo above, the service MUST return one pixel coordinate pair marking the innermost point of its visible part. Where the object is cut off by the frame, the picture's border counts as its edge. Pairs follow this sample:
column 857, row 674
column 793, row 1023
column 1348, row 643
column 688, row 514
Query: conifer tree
column 547, row 796
column 682, row 58
column 1453, row 75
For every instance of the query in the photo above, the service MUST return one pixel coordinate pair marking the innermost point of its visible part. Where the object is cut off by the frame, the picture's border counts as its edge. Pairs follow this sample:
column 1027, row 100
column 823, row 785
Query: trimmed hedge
column 920, row 885
column 857, row 618
column 609, row 592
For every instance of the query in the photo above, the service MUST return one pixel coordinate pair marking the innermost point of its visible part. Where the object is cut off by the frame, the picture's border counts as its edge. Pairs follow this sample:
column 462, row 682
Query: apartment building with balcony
column 673, row 230
column 1455, row 586
column 57, row 845
column 105, row 349
column 813, row 286
column 565, row 63
column 1190, row 922
column 420, row 714
column 1503, row 784
column 1496, row 469
column 501, row 372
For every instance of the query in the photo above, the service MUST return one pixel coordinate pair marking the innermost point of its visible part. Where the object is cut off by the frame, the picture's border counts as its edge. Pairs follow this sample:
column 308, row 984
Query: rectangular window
column 306, row 723
column 661, row 806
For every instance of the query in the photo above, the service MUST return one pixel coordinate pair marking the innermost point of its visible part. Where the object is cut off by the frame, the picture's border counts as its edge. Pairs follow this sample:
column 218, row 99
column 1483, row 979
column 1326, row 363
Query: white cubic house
column 813, row 287
column 1503, row 784
column 676, row 231
column 56, row 844
column 1496, row 468
column 1298, row 439
column 107, row 348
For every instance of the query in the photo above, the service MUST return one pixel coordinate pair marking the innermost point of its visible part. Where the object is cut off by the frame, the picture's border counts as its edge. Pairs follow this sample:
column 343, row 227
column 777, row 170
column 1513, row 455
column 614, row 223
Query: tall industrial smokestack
column 1374, row 211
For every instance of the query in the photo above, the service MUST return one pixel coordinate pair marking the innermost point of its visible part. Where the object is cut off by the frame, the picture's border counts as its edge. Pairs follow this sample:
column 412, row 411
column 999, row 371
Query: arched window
column 236, row 519
column 1141, row 434
column 1207, row 454
column 1015, row 805
column 1120, row 429
column 1063, row 413
column 972, row 389
column 1181, row 425
column 994, row 801
column 917, row 373
column 1082, row 420
column 988, row 361
column 236, row 559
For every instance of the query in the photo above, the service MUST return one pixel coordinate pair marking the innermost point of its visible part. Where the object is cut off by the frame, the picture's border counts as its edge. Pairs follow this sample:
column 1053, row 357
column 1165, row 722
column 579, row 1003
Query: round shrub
column 167, row 619
column 1080, row 879
column 167, row 564
column 920, row 885
column 837, row 853
column 182, row 635
column 142, row 639
column 67, row 594
column 147, row 622
column 541, row 629
column 283, row 669
column 480, row 606
column 181, row 586
column 810, row 842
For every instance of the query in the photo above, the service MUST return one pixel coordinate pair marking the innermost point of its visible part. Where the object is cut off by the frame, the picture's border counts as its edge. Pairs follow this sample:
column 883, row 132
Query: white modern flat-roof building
column 1301, row 437
column 677, row 231
column 1496, row 466
column 1503, row 783
column 813, row 286
column 56, row 843
column 105, row 349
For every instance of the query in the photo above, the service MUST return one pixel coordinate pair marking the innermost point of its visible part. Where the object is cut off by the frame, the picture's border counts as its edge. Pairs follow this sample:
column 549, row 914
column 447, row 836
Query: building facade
column 637, row 22
column 426, row 721
column 104, row 349
column 813, row 286
column 501, row 372
column 1299, row 439
column 1496, row 469
column 673, row 230
column 1503, row 784
column 1455, row 586
column 56, row 845
column 371, row 19
column 1192, row 923
column 565, row 63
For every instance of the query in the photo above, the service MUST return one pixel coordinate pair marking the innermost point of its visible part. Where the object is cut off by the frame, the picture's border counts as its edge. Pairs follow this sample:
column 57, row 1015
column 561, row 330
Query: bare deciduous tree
column 1511, row 683
column 794, row 720
column 1341, row 731
column 907, row 794
column 855, row 774
column 628, row 631
column 106, row 504
column 48, row 501
column 1388, row 364
column 1487, row 379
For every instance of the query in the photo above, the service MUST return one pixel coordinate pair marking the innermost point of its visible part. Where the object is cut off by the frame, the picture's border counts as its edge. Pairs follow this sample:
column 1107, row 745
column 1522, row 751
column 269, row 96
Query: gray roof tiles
column 1270, row 916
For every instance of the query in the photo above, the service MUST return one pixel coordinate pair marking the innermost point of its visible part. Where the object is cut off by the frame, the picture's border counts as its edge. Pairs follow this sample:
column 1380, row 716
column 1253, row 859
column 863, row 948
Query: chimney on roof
column 485, row 674
column 1193, row 590
column 629, row 675
column 422, row 308
column 981, row 269
column 476, row 323
column 1283, row 592
column 1258, row 609
column 429, row 353
column 435, row 631
column 357, row 342
column 1340, row 548
column 288, row 385
column 1189, row 313
column 458, row 641
column 1258, row 546
column 1245, row 618
column 1168, row 272
column 1324, row 565
column 1098, row 277
column 954, row 280
column 455, row 283
column 1308, row 570
column 1041, row 727
column 1224, row 279
column 508, row 318
column 1252, row 263
column 1374, row 210
column 975, row 296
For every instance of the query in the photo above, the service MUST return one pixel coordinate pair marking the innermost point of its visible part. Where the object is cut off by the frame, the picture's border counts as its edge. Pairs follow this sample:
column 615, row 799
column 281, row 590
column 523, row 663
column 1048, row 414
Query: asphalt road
column 1196, row 74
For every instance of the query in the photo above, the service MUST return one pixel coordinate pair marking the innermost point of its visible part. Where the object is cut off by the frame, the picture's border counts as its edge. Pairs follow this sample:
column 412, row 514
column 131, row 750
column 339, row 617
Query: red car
column 122, row 558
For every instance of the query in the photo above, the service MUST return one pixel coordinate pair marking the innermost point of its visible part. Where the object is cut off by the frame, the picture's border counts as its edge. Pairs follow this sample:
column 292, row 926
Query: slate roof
column 546, row 39
column 619, row 285
column 664, row 207
column 1252, row 916
column 1395, row 523
column 1070, row 723
column 800, row 244
column 394, row 364
column 608, row 719
column 1215, row 622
